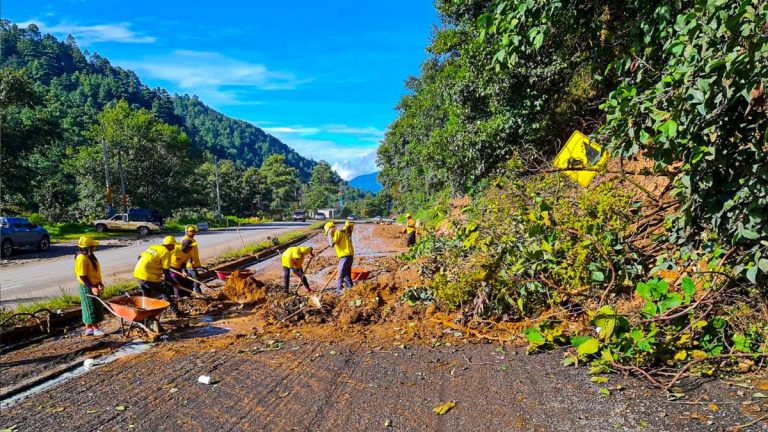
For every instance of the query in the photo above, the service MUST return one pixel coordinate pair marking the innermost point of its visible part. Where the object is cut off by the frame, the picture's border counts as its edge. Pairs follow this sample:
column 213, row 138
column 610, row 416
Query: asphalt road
column 34, row 280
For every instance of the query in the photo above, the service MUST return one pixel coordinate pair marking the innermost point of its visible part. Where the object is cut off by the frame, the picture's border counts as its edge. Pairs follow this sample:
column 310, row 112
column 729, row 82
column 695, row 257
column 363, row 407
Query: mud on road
column 385, row 368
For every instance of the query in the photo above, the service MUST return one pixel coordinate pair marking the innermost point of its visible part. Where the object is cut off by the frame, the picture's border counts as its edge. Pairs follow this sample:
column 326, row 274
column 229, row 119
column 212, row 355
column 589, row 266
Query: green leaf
column 752, row 274
column 599, row 379
column 688, row 288
column 604, row 392
column 644, row 291
column 589, row 346
column 598, row 276
column 605, row 320
column 672, row 301
column 669, row 128
column 749, row 234
column 534, row 336
column 762, row 264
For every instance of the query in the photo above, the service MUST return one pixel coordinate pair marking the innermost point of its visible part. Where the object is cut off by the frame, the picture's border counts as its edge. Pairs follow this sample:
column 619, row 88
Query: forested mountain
column 83, row 83
column 58, row 103
column 366, row 182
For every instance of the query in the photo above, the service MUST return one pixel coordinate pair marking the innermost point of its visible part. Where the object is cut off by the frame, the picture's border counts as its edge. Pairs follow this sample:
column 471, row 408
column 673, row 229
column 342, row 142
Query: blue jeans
column 345, row 273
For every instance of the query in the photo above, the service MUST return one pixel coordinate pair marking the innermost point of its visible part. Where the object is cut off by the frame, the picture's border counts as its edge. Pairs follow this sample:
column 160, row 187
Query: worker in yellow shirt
column 410, row 230
column 88, row 273
column 341, row 240
column 152, row 272
column 293, row 262
column 193, row 264
column 185, row 258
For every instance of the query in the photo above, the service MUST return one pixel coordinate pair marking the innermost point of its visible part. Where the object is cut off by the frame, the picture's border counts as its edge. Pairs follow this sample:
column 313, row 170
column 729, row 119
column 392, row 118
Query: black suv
column 299, row 215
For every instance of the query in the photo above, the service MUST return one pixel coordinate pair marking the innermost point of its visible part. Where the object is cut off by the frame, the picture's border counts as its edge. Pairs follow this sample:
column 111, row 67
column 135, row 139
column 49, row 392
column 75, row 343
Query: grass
column 66, row 300
column 260, row 246
column 72, row 230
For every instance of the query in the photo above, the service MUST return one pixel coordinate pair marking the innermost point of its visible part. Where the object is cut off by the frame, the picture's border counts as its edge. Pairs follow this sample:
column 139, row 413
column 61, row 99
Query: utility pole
column 123, row 198
column 110, row 211
column 218, row 195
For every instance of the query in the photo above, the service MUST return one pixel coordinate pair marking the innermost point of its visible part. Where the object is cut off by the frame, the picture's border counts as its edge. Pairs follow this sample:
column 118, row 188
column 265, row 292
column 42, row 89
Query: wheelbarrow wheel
column 154, row 325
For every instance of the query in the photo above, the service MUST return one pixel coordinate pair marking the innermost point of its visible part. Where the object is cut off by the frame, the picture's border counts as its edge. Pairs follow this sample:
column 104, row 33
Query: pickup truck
column 120, row 222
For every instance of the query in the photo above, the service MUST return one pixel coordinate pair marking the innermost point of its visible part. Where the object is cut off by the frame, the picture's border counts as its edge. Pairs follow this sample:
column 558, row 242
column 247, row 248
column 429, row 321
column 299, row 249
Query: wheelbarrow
column 225, row 274
column 137, row 311
column 359, row 274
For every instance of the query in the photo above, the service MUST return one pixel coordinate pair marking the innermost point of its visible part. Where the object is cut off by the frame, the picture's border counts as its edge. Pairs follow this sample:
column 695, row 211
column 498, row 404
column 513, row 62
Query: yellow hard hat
column 407, row 215
column 169, row 240
column 86, row 241
column 349, row 224
column 328, row 226
column 191, row 227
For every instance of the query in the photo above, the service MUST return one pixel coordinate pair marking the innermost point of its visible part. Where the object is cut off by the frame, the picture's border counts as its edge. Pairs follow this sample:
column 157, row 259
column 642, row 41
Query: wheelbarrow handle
column 104, row 304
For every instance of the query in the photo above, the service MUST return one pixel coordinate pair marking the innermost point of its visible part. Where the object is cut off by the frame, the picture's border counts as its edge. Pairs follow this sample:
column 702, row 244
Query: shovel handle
column 190, row 278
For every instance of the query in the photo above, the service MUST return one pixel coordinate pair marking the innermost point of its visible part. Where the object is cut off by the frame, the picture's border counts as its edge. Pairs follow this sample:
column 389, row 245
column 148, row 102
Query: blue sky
column 324, row 77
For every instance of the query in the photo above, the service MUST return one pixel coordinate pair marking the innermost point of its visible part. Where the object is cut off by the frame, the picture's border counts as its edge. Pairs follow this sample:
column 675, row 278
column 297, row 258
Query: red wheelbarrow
column 139, row 311
column 225, row 274
column 359, row 274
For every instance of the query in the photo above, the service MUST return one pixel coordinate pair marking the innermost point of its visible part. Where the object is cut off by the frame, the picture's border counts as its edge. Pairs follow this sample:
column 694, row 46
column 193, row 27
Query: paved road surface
column 35, row 280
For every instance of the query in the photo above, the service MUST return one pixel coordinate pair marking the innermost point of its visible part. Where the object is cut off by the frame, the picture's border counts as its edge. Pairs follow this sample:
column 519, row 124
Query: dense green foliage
column 680, row 83
column 675, row 87
column 57, row 102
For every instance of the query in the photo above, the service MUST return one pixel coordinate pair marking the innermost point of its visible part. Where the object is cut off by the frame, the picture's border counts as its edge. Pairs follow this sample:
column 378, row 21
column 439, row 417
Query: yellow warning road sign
column 582, row 156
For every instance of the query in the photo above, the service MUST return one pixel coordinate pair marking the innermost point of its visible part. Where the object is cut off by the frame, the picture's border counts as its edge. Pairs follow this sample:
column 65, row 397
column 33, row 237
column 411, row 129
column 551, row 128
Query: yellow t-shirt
column 194, row 253
column 293, row 257
column 85, row 267
column 410, row 226
column 152, row 262
column 342, row 243
column 179, row 259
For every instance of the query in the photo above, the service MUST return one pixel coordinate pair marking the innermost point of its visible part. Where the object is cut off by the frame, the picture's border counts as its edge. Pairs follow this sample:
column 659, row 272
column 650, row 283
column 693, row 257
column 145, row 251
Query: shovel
column 309, row 263
column 192, row 279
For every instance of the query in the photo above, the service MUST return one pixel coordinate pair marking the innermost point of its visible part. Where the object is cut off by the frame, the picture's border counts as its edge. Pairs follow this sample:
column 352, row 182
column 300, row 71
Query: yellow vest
column 193, row 254
column 342, row 243
column 151, row 264
column 179, row 259
column 293, row 257
column 85, row 267
column 410, row 226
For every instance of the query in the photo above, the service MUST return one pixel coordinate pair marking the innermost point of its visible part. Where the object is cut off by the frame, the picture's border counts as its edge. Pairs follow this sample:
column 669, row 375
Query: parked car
column 145, row 215
column 299, row 215
column 320, row 216
column 377, row 219
column 351, row 217
column 18, row 232
column 121, row 222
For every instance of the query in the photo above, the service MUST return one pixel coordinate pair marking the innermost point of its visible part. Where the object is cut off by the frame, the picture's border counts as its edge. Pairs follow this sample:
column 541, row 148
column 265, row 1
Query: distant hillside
column 366, row 182
column 82, row 83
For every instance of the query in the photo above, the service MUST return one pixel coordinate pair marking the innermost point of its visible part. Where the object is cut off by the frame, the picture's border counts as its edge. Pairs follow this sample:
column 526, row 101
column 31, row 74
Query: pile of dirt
column 244, row 289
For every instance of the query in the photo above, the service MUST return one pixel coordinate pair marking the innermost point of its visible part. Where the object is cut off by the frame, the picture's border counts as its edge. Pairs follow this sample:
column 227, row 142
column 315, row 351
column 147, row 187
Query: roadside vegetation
column 660, row 267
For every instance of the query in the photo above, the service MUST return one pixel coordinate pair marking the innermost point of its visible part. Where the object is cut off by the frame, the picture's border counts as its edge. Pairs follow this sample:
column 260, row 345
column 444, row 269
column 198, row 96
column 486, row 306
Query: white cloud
column 355, row 157
column 213, row 76
column 292, row 130
column 90, row 34
column 351, row 168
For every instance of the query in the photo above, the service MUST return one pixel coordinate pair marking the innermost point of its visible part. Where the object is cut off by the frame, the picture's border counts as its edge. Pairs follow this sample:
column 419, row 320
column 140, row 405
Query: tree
column 155, row 160
column 283, row 182
column 323, row 187
column 26, row 128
